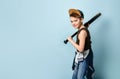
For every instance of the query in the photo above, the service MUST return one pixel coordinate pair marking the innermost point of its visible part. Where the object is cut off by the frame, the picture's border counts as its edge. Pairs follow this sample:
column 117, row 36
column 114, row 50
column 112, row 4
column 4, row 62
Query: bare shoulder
column 83, row 33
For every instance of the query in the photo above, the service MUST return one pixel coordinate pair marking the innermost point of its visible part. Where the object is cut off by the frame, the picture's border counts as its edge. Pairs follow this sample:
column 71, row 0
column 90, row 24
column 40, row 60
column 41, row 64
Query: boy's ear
column 81, row 19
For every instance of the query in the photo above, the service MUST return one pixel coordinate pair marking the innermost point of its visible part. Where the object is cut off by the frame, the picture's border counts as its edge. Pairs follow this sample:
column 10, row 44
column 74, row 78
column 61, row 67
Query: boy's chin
column 75, row 27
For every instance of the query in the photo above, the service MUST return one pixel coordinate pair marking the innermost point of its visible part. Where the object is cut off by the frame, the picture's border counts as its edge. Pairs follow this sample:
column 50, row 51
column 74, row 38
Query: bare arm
column 82, row 36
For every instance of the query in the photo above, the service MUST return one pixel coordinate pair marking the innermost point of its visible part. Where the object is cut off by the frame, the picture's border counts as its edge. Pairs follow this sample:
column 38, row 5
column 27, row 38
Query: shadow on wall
column 101, row 49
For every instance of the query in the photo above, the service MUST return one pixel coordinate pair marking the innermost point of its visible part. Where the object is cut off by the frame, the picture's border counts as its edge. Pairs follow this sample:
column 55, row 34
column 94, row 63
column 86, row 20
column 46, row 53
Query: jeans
column 80, row 70
column 84, row 68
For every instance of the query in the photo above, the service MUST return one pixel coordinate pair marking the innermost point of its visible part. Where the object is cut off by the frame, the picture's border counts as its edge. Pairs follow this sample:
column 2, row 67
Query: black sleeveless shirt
column 87, row 40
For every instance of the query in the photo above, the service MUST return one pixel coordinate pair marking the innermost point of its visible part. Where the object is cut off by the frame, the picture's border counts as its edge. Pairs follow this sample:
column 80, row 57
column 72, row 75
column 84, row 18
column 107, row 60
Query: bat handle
column 65, row 41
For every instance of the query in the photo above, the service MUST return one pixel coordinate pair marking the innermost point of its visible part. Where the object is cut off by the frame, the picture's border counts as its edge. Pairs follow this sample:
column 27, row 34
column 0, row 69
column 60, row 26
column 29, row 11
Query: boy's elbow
column 81, row 50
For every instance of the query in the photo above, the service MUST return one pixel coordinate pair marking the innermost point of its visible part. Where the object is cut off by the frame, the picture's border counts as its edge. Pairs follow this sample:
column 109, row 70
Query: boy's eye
column 75, row 20
column 71, row 21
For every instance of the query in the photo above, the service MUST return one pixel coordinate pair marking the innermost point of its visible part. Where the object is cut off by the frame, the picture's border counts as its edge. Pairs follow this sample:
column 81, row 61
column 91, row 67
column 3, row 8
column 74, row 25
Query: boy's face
column 75, row 22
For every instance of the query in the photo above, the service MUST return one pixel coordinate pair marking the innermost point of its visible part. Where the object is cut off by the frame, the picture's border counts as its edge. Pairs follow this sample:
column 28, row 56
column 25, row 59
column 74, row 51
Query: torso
column 87, row 40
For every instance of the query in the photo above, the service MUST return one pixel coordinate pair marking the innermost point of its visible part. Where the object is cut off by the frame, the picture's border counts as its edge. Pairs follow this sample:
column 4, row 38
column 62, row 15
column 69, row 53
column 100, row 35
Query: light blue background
column 32, row 34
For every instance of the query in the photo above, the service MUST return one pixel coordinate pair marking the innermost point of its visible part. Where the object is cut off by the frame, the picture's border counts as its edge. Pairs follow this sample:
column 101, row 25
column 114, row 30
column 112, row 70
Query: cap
column 76, row 11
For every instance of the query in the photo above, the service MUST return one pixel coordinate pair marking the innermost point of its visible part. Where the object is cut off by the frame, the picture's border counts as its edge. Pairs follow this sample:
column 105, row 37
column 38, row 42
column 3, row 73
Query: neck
column 82, row 26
